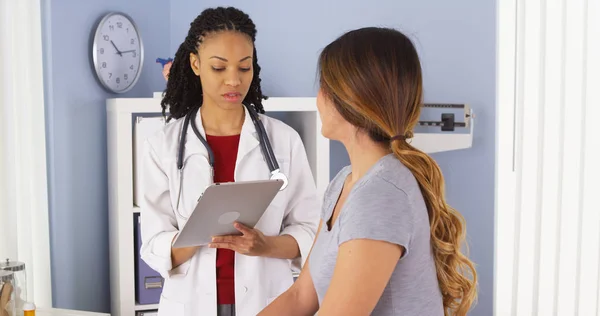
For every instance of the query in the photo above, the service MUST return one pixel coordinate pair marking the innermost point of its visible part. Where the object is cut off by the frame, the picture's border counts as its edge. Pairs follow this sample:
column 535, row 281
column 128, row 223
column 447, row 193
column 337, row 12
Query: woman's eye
column 223, row 69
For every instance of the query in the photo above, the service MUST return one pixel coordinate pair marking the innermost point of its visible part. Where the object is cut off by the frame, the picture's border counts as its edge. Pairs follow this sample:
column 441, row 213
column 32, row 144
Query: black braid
column 184, row 91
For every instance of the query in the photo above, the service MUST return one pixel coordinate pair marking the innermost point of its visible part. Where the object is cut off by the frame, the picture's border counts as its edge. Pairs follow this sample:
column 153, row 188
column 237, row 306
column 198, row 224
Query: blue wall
column 76, row 135
column 456, row 40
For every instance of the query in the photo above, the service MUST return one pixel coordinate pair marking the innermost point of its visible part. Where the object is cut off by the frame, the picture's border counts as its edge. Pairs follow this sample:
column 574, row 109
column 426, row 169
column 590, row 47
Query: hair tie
column 398, row 137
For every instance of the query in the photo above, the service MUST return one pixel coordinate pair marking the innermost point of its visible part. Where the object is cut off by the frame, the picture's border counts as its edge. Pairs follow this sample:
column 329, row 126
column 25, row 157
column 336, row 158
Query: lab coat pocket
column 168, row 307
column 181, row 270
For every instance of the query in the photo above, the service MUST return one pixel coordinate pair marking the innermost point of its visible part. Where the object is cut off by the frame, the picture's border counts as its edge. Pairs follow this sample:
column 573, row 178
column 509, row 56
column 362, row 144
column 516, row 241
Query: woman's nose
column 233, row 80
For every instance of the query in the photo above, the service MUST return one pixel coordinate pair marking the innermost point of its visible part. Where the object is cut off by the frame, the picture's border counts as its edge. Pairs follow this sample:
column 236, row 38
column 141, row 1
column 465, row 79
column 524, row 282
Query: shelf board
column 143, row 307
column 290, row 105
column 133, row 105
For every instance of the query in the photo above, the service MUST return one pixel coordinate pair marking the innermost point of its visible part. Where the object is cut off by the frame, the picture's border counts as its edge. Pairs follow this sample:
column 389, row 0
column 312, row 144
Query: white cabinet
column 65, row 312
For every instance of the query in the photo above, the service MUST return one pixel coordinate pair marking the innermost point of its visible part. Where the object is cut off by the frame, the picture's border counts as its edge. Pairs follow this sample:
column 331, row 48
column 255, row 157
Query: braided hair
column 184, row 90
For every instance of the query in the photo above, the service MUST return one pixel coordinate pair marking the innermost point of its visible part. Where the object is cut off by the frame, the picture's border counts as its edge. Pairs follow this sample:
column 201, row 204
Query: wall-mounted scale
column 456, row 130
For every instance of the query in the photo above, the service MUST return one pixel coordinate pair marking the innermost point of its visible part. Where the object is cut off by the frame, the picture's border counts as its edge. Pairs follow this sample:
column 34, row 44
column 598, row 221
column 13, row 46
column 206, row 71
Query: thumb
column 243, row 228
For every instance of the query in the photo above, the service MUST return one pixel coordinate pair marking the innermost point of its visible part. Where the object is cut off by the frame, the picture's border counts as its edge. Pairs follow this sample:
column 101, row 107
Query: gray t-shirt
column 385, row 204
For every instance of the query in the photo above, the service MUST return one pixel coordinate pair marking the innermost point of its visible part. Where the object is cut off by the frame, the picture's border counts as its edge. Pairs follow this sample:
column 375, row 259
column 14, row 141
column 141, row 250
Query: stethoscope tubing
column 264, row 142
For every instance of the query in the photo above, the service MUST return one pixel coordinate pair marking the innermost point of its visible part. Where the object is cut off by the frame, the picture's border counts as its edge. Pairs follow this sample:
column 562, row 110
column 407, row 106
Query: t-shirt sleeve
column 378, row 211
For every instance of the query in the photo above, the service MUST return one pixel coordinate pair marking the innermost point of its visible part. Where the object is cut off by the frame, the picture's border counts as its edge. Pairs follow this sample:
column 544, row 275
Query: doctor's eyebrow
column 224, row 59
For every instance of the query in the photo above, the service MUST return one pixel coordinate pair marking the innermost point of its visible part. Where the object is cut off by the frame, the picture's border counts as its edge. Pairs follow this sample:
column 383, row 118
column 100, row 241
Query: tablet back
column 221, row 205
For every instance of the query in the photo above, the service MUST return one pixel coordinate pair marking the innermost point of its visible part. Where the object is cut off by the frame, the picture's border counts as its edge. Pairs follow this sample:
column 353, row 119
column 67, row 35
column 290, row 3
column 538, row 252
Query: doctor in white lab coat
column 216, row 71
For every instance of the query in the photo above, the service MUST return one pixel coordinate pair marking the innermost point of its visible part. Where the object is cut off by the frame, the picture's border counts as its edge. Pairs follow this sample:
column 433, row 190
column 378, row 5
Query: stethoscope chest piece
column 276, row 175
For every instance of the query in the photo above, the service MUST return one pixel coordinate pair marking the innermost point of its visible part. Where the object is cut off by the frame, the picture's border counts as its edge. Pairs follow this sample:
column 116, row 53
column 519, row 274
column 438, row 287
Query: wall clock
column 117, row 52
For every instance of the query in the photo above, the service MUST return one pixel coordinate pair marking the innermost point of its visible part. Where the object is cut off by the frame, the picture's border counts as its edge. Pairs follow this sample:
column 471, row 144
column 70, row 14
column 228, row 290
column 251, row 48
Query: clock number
column 109, row 75
column 118, row 80
column 134, row 54
column 111, row 27
column 101, row 50
column 120, row 25
column 127, row 30
column 131, row 67
column 106, row 37
column 104, row 65
column 125, row 76
column 132, row 41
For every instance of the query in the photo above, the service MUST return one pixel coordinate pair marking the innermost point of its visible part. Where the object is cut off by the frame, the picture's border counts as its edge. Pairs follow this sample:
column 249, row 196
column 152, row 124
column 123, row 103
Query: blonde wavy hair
column 373, row 76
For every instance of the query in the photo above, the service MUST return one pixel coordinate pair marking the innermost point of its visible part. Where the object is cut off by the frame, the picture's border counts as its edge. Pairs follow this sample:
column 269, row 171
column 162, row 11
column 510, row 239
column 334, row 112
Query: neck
column 222, row 122
column 363, row 154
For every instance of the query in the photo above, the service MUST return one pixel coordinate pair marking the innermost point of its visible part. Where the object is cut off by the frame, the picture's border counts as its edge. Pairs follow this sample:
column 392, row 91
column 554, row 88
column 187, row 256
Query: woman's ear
column 195, row 63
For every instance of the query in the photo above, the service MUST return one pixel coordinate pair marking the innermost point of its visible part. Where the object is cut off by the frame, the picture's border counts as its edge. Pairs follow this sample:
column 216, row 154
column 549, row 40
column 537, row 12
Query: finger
column 243, row 228
column 237, row 248
column 223, row 245
column 235, row 241
column 228, row 238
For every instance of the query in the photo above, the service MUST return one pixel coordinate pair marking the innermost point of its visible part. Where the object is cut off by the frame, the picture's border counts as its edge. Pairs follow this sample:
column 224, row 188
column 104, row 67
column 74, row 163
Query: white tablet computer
column 221, row 205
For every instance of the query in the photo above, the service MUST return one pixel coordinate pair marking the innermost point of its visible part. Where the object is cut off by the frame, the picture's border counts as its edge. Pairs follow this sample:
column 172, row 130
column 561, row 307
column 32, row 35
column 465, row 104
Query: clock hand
column 115, row 46
column 128, row 51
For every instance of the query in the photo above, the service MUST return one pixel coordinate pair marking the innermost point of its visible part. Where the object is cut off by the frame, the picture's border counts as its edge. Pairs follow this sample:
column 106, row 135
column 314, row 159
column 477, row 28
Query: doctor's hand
column 166, row 70
column 252, row 242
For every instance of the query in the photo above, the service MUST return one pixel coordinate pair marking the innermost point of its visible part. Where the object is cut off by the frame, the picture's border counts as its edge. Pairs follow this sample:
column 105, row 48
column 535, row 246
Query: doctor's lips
column 233, row 96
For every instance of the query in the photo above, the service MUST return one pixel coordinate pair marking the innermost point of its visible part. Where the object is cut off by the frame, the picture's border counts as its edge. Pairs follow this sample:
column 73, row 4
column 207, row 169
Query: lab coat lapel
column 192, row 143
column 248, row 140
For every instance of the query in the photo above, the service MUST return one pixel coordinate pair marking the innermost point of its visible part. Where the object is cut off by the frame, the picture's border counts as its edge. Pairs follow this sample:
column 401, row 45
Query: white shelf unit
column 300, row 113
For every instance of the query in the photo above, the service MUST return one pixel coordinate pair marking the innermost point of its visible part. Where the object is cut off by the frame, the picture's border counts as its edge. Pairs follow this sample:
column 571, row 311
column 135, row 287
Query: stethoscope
column 265, row 146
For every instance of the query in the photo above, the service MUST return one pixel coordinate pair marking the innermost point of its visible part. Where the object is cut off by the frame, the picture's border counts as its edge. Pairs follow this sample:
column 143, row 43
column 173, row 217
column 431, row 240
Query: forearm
column 287, row 303
column 181, row 255
column 282, row 247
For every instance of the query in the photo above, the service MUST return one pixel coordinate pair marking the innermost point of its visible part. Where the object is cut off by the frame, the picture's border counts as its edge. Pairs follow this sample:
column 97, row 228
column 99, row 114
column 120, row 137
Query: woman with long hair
column 387, row 243
column 215, row 113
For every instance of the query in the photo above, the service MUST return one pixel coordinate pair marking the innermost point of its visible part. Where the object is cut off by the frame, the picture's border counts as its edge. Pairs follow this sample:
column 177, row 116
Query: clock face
column 118, row 52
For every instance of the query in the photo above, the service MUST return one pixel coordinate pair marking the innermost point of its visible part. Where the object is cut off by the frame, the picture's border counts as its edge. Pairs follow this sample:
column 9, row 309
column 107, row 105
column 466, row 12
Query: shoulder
column 165, row 137
column 379, row 208
column 377, row 194
column 388, row 190
column 391, row 175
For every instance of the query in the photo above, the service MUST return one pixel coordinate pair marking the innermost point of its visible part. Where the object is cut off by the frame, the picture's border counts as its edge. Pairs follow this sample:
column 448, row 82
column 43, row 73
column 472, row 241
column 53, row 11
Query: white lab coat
column 190, row 289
